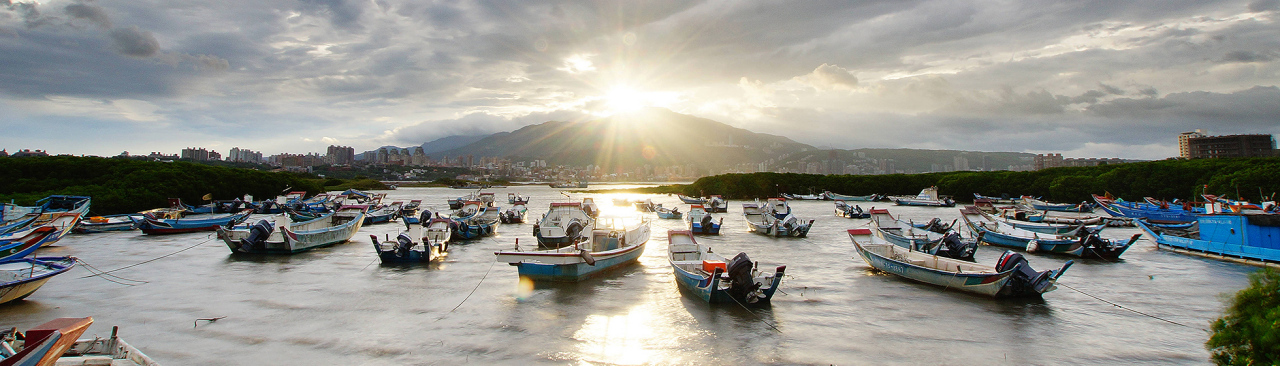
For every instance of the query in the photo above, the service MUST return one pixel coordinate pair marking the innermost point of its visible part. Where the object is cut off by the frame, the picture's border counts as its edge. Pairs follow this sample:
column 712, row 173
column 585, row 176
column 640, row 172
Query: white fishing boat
column 927, row 197
column 294, row 237
column 566, row 223
column 613, row 244
column 774, row 218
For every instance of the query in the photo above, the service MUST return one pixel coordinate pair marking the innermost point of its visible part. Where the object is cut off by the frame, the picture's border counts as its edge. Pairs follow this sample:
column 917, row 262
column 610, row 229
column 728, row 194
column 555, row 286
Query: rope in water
column 99, row 272
column 1132, row 310
column 473, row 290
column 152, row 259
column 753, row 314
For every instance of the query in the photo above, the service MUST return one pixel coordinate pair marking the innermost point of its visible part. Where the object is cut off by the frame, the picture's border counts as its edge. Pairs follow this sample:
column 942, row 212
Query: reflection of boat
column 691, row 200
column 774, row 219
column 566, row 223
column 907, row 235
column 868, row 198
column 405, row 250
column 711, row 278
column 1012, row 276
column 1089, row 245
column 853, row 212
column 21, row 277
column 701, row 222
column 55, row 342
column 717, row 204
column 611, row 245
column 152, row 225
column 293, row 237
column 927, row 197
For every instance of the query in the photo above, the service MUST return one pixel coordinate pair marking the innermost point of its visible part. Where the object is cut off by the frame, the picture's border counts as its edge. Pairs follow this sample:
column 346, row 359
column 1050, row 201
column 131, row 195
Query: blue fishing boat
column 669, row 213
column 21, row 277
column 1003, row 199
column 100, row 224
column 853, row 212
column 406, row 250
column 46, row 210
column 701, row 222
column 927, row 197
column 904, row 234
column 14, row 247
column 1012, row 276
column 409, row 212
column 691, row 200
column 716, row 204
column 803, row 197
column 475, row 220
column 612, row 245
column 844, row 197
column 383, row 214
column 1144, row 210
column 1252, row 238
column 152, row 225
column 712, row 278
column 1089, row 245
column 1038, row 205
column 774, row 218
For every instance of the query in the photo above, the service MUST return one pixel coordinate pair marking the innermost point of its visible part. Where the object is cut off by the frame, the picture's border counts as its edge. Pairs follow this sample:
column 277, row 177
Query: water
column 338, row 306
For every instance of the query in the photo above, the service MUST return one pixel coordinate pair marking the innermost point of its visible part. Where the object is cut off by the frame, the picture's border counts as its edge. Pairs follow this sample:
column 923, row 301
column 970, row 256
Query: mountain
column 449, row 143
column 654, row 137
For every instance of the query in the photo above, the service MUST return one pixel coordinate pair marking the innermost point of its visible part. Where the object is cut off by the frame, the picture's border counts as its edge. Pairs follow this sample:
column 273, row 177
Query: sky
column 1081, row 78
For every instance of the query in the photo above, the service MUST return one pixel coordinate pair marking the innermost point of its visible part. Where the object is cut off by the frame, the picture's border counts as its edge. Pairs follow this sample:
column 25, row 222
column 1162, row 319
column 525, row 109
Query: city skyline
column 1087, row 79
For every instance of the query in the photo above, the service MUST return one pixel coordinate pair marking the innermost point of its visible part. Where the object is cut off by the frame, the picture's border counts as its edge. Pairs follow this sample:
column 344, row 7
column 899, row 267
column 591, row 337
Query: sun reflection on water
column 626, row 339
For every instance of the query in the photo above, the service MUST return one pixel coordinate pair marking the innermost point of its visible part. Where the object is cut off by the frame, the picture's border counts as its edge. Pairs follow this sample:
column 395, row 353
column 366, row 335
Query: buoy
column 587, row 257
column 1032, row 246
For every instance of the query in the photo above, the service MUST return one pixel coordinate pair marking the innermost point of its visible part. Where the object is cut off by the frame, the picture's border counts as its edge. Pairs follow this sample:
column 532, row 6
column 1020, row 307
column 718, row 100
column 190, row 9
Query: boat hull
column 1235, row 239
column 579, row 270
column 21, row 282
column 287, row 241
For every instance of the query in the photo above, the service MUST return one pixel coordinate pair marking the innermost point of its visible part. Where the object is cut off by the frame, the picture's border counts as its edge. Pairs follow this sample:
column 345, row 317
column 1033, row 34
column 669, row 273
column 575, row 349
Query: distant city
column 415, row 164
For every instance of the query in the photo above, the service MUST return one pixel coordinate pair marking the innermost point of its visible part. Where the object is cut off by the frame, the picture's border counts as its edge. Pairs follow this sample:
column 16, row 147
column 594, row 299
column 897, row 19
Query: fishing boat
column 475, row 220
column 1038, row 205
column 409, row 211
column 152, row 225
column 517, row 199
column 1004, row 199
column 294, row 237
column 21, row 277
column 221, row 206
column 514, row 215
column 456, row 203
column 712, row 278
column 853, row 212
column 613, row 244
column 646, row 205
column 1252, row 238
column 774, row 218
column 405, row 250
column 621, row 202
column 55, row 343
column 47, row 209
column 100, row 224
column 669, row 213
column 701, row 222
column 487, row 198
column 383, row 214
column 927, row 197
column 566, row 223
column 438, row 230
column 1142, row 210
column 905, row 234
column 1088, row 245
column 717, row 204
column 14, row 247
column 803, row 197
column 842, row 197
column 59, row 225
column 691, row 200
column 568, row 184
column 1012, row 276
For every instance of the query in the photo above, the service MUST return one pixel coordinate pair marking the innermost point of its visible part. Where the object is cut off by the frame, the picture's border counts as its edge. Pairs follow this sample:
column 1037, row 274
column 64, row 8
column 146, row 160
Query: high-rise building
column 1230, row 146
column 1184, row 142
column 340, row 155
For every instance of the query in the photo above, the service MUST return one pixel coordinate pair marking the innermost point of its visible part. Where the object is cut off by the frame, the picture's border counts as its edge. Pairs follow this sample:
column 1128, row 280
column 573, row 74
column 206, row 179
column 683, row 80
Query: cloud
column 90, row 12
column 829, row 76
column 1246, row 56
column 1263, row 5
column 131, row 41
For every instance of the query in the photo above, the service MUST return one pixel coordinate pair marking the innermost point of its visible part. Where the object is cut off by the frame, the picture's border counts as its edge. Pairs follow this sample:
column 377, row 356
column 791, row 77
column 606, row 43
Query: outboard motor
column 956, row 248
column 1025, row 281
column 741, row 284
column 258, row 234
column 424, row 217
column 706, row 222
column 403, row 244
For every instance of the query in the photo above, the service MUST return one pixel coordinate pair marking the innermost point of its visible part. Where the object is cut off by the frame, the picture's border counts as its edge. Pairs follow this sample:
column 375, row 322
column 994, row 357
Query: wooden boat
column 99, row 224
column 927, row 197
column 1003, row 199
column 1012, row 276
column 612, row 245
column 55, row 343
column 803, row 197
column 717, row 204
column 701, row 222
column 475, row 220
column 405, row 250
column 691, row 200
column 669, row 213
column 1143, row 210
column 906, row 234
column 60, row 223
column 18, row 218
column 712, row 278
column 14, row 247
column 517, row 199
column 21, row 277
column 294, row 237
column 151, row 225
column 841, row 197
column 566, row 223
column 853, row 212
column 1251, row 238
column 1090, row 245
column 383, row 214
column 1038, row 205
column 1043, row 227
column 439, row 230
column 514, row 215
column 774, row 219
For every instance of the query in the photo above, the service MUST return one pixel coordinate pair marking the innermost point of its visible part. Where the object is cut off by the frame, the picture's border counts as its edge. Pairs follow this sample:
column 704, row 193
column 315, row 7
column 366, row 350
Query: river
column 338, row 306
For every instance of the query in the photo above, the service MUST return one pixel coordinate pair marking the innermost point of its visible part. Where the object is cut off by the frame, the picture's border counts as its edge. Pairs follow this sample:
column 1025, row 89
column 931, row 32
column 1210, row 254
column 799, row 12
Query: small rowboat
column 717, row 204
column 384, row 214
column 1010, row 277
column 853, row 212
column 669, row 213
column 708, row 276
column 99, row 224
column 841, row 197
column 405, row 250
column 691, row 200
column 151, row 225
column 58, row 224
column 701, row 222
column 927, row 197
column 55, row 343
column 294, row 237
column 612, row 245
column 20, row 278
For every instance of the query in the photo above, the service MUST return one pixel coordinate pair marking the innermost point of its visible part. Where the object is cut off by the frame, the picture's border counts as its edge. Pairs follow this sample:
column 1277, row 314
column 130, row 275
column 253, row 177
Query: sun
column 624, row 99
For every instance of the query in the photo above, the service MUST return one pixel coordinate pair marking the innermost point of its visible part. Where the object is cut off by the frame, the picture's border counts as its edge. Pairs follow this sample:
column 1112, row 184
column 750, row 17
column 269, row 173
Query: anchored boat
column 294, row 237
column 21, row 277
column 712, row 278
column 1012, row 276
column 613, row 244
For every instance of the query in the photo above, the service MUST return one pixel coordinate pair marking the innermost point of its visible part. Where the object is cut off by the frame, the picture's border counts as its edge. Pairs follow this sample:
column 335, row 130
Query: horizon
column 1096, row 80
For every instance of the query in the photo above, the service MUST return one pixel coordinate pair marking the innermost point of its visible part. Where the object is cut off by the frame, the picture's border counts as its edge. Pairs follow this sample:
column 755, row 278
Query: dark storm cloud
column 135, row 42
column 343, row 13
column 1247, row 56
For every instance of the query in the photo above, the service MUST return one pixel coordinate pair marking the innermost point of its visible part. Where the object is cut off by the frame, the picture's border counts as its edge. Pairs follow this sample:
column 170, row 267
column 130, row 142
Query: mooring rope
column 1132, row 310
column 152, row 259
column 99, row 272
column 753, row 314
column 473, row 290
